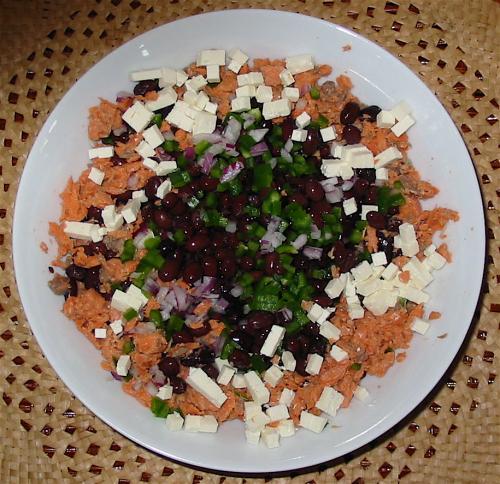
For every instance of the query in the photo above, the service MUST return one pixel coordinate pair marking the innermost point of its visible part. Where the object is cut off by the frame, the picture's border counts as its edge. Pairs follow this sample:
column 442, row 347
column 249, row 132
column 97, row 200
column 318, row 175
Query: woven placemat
column 47, row 435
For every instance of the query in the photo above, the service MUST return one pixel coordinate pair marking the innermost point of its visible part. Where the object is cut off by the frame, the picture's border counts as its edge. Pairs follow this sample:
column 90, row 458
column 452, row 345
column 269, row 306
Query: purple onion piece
column 116, row 376
column 207, row 162
column 300, row 241
column 231, row 172
column 232, row 131
column 259, row 149
column 220, row 305
column 258, row 134
column 334, row 196
column 190, row 153
column 313, row 252
column 288, row 146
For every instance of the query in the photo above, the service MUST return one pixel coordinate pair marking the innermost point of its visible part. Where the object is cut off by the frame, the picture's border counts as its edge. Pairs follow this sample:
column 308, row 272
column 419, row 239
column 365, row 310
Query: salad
column 247, row 242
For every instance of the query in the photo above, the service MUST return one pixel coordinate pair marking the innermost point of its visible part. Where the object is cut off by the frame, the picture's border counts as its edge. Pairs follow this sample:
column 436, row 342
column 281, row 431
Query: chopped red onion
column 143, row 234
column 289, row 145
column 300, row 241
column 304, row 89
column 259, row 149
column 151, row 389
column 210, row 137
column 286, row 314
column 157, row 375
column 216, row 149
column 313, row 252
column 301, row 104
column 249, row 120
column 231, row 172
column 137, row 385
column 220, row 305
column 165, row 313
column 266, row 246
column 347, row 185
column 132, row 181
column 286, row 155
column 334, row 196
column 119, row 131
column 190, row 153
column 207, row 162
column 219, row 344
column 232, row 131
column 329, row 184
column 236, row 291
column 169, row 135
column 206, row 286
column 151, row 285
column 231, row 227
column 315, row 232
column 181, row 297
column 116, row 376
column 258, row 134
column 144, row 328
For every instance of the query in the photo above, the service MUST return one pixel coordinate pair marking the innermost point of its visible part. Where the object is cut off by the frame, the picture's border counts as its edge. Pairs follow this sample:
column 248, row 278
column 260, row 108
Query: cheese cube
column 362, row 271
column 385, row 119
column 182, row 77
column 123, row 365
column 273, row 340
column 350, row 206
column 413, row 294
column 315, row 312
column 192, row 423
column 252, row 436
column 234, row 66
column 211, row 57
column 145, row 75
column 136, row 293
column 387, row 156
column 330, row 401
column 390, row 272
column 121, row 301
column 328, row 134
column 163, row 189
column 220, row 363
column 130, row 210
column 325, row 315
column 258, row 421
column 239, row 381
column 264, row 94
column 240, row 104
column 291, row 93
column 165, row 392
column 204, row 123
column 286, row 77
column 96, row 175
column 174, row 422
column 335, row 287
column 436, row 260
column 168, row 77
column 288, row 360
column 101, row 152
column 314, row 362
column 382, row 174
column 116, row 326
column 312, row 422
column 338, row 354
column 430, row 249
column 100, row 333
column 278, row 412
column 137, row 116
column 150, row 163
column 208, row 424
column 350, row 286
column 286, row 428
column 255, row 78
column 402, row 126
column 270, row 437
column 329, row 331
column 299, row 63
column 302, row 120
column 355, row 311
column 251, row 410
column 379, row 301
column 225, row 375
column 246, row 91
column 273, row 375
column 211, row 107
column 213, row 73
column 410, row 249
column 166, row 167
column 401, row 110
column 238, row 56
column 299, row 135
column 203, row 384
column 153, row 136
column 358, row 156
column 166, row 97
column 420, row 326
column 362, row 394
column 81, row 230
column 379, row 259
column 286, row 397
column 346, row 171
column 196, row 83
column 257, row 389
column 145, row 149
column 111, row 219
column 275, row 109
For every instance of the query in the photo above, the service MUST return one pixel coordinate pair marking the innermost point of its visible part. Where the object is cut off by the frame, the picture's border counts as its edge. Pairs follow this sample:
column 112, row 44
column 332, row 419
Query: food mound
column 247, row 242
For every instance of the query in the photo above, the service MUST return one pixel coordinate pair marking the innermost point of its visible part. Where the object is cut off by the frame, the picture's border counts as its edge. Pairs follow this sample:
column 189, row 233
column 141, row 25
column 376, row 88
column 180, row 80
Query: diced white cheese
column 407, row 232
column 258, row 421
column 315, row 312
column 273, row 375
column 196, row 83
column 286, row 77
column 430, row 249
column 338, row 354
column 165, row 392
column 379, row 258
column 362, row 271
column 346, row 171
column 111, row 219
column 252, row 436
column 264, row 94
column 331, row 167
column 204, row 123
column 252, row 78
column 288, row 360
column 286, row 397
column 366, row 209
column 413, row 294
column 270, row 437
column 139, row 195
column 211, row 107
column 314, row 362
column 192, row 423
column 381, row 174
column 234, row 66
column 275, row 109
column 166, row 167
column 330, row 401
column 350, row 286
column 174, row 422
column 181, row 116
column 145, row 74
column 166, row 97
column 379, row 301
column 256, row 387
column 238, row 56
column 123, row 365
column 299, row 135
column 251, row 409
column 273, row 340
column 385, row 119
column 390, row 272
column 130, row 210
column 117, row 326
column 387, row 156
column 325, row 315
column 182, row 77
column 436, row 260
column 168, row 77
column 137, row 116
column 134, row 292
column 239, row 381
column 121, row 301
column 220, row 363
column 153, row 136
column 335, row 287
column 149, row 163
column 203, row 384
column 225, row 375
column 291, row 93
column 329, row 331
column 302, row 120
column 350, row 206
column 164, row 188
column 211, row 57
column 355, row 311
column 286, row 428
column 213, row 73
column 81, row 230
column 358, row 156
column 328, row 134
column 420, row 326
column 278, row 412
column 299, row 63
column 402, row 126
column 246, row 91
column 401, row 110
column 96, row 175
column 337, row 150
column 362, row 394
column 100, row 333
column 101, row 152
column 240, row 104
column 145, row 149
column 312, row 422
column 208, row 424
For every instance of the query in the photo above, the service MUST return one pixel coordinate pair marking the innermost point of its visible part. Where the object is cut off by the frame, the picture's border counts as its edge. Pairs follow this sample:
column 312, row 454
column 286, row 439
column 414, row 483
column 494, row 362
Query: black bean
column 170, row 270
column 242, row 339
column 123, row 198
column 92, row 278
column 323, row 300
column 94, row 213
column 178, row 385
column 311, row 328
column 287, row 128
column 256, row 321
column 197, row 243
column 169, row 366
column 292, row 344
column 370, row 113
column 117, row 160
column 162, row 219
column 350, row 113
column 181, row 337
column 376, row 220
column 300, row 366
column 227, row 267
column 209, row 266
column 314, row 191
column 169, row 200
column 240, row 359
column 211, row 371
column 318, row 344
column 393, row 224
column 76, row 272
column 247, row 263
column 351, row 134
column 143, row 87
column 311, row 144
column 192, row 272
column 204, row 329
column 272, row 264
column 366, row 173
column 371, row 196
column 151, row 186
column 167, row 247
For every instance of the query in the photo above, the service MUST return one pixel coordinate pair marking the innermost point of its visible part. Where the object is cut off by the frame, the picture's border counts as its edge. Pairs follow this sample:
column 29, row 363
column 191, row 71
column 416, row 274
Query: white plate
column 438, row 151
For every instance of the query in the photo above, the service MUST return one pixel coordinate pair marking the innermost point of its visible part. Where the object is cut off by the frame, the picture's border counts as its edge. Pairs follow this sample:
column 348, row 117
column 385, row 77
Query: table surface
column 49, row 436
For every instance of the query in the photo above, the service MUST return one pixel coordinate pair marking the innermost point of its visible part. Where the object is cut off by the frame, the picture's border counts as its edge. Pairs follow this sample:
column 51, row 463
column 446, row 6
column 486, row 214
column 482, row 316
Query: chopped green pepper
column 179, row 236
column 128, row 252
column 213, row 218
column 262, row 176
column 266, row 302
column 211, row 200
column 272, row 203
column 227, row 349
column 174, row 324
column 155, row 316
column 128, row 347
column 170, row 145
column 154, row 259
column 201, row 147
column 314, row 92
column 157, row 119
column 179, row 178
column 152, row 243
column 160, row 408
column 130, row 313
column 300, row 219
column 356, row 366
column 258, row 363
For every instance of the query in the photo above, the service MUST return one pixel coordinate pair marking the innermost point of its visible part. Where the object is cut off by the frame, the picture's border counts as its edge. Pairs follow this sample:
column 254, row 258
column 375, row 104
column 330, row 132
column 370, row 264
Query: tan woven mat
column 46, row 435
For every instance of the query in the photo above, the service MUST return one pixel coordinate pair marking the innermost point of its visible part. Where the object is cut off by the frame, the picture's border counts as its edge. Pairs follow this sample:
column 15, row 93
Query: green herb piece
column 265, row 302
column 286, row 249
column 201, row 147
column 128, row 347
column 157, row 119
column 242, row 396
column 170, row 145
column 174, row 324
column 227, row 349
column 389, row 350
column 154, row 258
column 301, row 221
column 155, row 316
column 211, row 200
column 272, row 203
column 252, row 211
column 160, row 408
column 314, row 92
column 152, row 243
column 213, row 218
column 108, row 140
column 258, row 363
column 128, row 252
column 182, row 161
column 130, row 313
column 356, row 366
